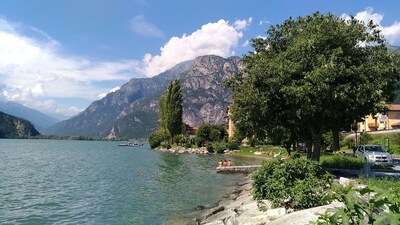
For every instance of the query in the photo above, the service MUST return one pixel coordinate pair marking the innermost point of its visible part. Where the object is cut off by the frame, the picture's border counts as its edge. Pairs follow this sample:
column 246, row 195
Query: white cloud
column 213, row 38
column 246, row 43
column 242, row 24
column 391, row 33
column 102, row 95
column 33, row 70
column 140, row 26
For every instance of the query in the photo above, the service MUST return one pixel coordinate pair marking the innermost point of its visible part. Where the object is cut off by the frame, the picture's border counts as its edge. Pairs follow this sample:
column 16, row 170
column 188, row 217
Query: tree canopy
column 312, row 74
column 170, row 120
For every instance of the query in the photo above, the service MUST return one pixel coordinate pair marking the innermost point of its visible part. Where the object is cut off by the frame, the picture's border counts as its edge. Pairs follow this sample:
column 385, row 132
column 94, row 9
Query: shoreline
column 241, row 208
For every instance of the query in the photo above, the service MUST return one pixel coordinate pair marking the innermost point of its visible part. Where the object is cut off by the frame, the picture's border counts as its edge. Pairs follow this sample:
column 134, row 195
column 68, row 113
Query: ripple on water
column 78, row 182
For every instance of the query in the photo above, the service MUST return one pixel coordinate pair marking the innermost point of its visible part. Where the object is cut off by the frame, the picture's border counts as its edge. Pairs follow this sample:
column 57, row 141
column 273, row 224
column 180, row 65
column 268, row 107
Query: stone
column 346, row 181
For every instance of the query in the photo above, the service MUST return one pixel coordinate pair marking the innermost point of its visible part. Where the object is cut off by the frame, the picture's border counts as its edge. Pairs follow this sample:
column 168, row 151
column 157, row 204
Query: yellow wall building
column 381, row 121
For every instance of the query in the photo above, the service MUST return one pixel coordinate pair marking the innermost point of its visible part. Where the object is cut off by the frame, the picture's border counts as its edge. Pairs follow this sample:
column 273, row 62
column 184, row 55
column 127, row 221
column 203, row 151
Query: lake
column 94, row 182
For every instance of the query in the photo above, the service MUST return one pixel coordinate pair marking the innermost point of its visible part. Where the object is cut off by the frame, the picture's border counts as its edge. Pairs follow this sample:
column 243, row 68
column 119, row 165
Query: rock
column 215, row 211
column 200, row 207
column 346, row 181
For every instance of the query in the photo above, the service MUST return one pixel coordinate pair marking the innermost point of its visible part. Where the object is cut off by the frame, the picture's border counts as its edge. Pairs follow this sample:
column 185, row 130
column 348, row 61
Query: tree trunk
column 316, row 132
column 336, row 144
column 308, row 143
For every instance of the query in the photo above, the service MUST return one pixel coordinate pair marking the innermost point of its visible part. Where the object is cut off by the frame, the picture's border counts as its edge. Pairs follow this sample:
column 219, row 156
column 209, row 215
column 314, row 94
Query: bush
column 188, row 145
column 219, row 148
column 363, row 206
column 156, row 138
column 232, row 145
column 297, row 183
column 210, row 148
column 341, row 162
column 365, row 138
column 348, row 143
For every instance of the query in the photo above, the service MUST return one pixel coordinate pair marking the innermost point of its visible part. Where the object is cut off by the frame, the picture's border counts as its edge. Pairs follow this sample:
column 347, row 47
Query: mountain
column 394, row 49
column 132, row 111
column 14, row 127
column 40, row 120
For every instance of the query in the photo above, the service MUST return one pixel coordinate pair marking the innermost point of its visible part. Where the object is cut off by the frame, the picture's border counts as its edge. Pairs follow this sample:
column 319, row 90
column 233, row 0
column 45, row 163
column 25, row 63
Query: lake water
column 91, row 182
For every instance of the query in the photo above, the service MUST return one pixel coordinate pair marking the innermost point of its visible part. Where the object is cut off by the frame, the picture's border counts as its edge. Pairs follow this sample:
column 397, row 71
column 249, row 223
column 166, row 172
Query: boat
column 131, row 144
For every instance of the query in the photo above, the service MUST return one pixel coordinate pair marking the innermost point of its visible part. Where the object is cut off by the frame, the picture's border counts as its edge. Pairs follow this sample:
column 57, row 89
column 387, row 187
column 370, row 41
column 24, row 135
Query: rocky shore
column 183, row 150
column 241, row 209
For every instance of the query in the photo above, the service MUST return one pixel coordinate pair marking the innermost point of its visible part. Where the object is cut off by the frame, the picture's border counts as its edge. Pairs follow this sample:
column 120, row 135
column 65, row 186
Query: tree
column 209, row 133
column 171, row 110
column 313, row 74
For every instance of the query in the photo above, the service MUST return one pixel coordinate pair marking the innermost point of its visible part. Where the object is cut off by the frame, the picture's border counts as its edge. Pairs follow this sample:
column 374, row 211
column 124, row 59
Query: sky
column 58, row 56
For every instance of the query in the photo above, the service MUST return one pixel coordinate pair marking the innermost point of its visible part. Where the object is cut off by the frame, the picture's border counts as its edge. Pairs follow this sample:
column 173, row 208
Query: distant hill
column 394, row 49
column 132, row 111
column 14, row 127
column 40, row 120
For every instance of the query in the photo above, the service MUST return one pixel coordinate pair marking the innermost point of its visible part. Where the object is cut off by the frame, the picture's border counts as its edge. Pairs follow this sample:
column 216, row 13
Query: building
column 382, row 121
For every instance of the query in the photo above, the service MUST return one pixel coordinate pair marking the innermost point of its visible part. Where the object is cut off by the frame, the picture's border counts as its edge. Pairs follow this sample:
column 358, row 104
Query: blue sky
column 59, row 56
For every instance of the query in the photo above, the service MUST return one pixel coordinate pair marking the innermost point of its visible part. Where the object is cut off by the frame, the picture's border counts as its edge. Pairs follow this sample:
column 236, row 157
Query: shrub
column 179, row 139
column 297, row 183
column 188, row 145
column 348, row 143
column 341, row 162
column 219, row 148
column 232, row 145
column 363, row 206
column 365, row 138
column 210, row 148
column 156, row 138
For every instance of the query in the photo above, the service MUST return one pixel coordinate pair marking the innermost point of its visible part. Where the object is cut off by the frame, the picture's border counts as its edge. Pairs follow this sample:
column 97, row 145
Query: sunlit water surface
column 91, row 182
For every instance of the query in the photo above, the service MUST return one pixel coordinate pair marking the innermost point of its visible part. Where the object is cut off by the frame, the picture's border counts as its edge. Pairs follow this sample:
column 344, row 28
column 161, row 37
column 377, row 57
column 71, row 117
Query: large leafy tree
column 171, row 110
column 312, row 74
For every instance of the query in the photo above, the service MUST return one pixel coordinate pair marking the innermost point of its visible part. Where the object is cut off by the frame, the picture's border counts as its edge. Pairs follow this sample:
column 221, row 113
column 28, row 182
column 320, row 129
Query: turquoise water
column 90, row 182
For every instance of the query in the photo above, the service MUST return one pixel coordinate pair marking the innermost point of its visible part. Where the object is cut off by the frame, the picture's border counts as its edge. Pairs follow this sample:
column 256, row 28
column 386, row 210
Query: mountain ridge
column 40, row 120
column 132, row 111
column 14, row 127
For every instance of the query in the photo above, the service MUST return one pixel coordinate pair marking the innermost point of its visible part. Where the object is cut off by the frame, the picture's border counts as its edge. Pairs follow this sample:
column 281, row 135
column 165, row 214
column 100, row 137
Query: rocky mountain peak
column 132, row 111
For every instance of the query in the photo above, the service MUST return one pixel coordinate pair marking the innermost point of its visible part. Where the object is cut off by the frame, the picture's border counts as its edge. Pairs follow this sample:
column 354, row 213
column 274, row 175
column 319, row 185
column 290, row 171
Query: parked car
column 374, row 154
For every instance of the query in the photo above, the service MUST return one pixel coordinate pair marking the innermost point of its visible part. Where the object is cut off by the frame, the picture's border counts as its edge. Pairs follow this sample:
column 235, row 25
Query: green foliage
column 156, row 138
column 219, row 147
column 306, row 74
column 365, row 138
column 210, row 148
column 340, row 161
column 232, row 145
column 347, row 143
column 179, row 139
column 363, row 206
column 171, row 110
column 188, row 145
column 297, row 183
column 209, row 133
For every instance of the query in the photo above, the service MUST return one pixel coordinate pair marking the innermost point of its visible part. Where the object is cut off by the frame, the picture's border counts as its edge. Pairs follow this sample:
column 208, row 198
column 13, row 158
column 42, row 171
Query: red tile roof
column 394, row 107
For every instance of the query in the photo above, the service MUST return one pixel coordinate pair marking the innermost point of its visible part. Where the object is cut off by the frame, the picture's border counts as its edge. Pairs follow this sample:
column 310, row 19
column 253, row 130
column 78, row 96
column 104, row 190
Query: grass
column 340, row 161
column 394, row 141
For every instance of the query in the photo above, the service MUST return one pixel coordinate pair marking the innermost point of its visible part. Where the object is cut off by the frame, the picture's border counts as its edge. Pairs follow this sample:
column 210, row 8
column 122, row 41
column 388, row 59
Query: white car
column 374, row 154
